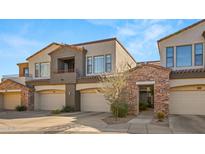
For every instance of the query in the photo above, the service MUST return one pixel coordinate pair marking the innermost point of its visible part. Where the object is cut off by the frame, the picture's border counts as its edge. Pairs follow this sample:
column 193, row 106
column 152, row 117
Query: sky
column 21, row 38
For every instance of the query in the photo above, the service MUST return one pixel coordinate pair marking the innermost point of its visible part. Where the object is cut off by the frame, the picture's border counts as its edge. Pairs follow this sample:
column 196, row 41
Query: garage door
column 11, row 100
column 51, row 100
column 94, row 102
column 187, row 102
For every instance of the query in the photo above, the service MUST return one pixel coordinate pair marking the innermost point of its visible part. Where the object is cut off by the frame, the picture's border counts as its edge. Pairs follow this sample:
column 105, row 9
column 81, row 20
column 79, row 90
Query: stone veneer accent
column 149, row 72
column 27, row 94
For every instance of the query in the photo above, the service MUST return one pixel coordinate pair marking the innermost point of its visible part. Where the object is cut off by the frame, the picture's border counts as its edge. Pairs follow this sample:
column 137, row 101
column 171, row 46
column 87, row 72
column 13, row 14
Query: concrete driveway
column 78, row 122
column 187, row 124
column 91, row 122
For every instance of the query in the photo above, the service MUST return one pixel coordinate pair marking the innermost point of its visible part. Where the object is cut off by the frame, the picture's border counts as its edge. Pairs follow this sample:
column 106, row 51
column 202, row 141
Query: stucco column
column 71, row 95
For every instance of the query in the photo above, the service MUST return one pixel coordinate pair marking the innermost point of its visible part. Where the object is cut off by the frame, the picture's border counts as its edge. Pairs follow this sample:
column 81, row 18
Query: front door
column 146, row 95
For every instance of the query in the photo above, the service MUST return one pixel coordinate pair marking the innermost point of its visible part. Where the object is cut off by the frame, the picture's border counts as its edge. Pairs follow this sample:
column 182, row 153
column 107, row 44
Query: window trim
column 170, row 57
column 202, row 54
column 108, row 63
column 191, row 55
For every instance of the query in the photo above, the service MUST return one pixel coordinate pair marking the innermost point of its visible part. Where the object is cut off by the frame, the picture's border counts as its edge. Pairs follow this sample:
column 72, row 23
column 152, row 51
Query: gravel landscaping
column 112, row 120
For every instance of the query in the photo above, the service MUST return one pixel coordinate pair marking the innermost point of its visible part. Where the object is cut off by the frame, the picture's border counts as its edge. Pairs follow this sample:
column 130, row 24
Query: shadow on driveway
column 24, row 114
column 187, row 124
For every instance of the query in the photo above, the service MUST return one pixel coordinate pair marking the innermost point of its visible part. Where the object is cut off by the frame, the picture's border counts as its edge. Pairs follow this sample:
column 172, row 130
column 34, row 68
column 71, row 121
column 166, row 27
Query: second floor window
column 108, row 63
column 89, row 65
column 26, row 72
column 198, row 52
column 169, row 56
column 42, row 69
column 184, row 56
column 98, row 63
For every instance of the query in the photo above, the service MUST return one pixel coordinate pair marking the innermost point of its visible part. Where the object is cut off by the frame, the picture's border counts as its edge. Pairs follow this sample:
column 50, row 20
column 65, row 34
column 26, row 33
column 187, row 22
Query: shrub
column 68, row 109
column 119, row 109
column 21, row 108
column 160, row 116
column 57, row 111
column 143, row 106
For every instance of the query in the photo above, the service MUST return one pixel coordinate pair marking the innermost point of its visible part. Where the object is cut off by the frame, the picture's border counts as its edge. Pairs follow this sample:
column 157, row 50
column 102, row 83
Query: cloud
column 125, row 31
column 154, row 31
column 17, row 41
column 140, row 36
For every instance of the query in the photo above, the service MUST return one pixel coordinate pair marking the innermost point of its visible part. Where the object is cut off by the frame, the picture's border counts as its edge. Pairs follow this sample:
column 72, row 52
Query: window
column 184, row 55
column 169, row 56
column 89, row 65
column 198, row 52
column 108, row 63
column 45, row 69
column 26, row 72
column 42, row 69
column 98, row 63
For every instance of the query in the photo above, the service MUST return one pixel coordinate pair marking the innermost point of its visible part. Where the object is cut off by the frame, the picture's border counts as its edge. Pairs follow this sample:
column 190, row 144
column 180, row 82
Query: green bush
column 160, row 116
column 143, row 106
column 68, row 109
column 21, row 108
column 119, row 109
column 57, row 111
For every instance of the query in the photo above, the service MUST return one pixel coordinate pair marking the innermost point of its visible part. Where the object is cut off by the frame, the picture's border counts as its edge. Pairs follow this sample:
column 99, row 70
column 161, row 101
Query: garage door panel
column 11, row 100
column 51, row 101
column 187, row 102
column 94, row 102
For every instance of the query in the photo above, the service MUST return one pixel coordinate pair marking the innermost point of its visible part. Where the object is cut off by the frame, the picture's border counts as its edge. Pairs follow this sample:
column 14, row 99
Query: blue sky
column 21, row 38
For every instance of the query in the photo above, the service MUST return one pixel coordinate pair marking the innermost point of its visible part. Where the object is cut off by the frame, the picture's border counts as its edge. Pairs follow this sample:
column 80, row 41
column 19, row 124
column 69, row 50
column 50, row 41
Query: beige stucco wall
column 123, row 58
column 40, row 57
column 188, row 37
column 101, row 48
column 184, row 82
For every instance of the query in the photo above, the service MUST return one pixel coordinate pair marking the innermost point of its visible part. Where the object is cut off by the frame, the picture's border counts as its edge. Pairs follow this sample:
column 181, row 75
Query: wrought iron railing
column 65, row 71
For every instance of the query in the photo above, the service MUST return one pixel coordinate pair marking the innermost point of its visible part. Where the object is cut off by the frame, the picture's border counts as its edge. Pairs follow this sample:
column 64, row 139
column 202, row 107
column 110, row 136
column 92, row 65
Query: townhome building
column 65, row 75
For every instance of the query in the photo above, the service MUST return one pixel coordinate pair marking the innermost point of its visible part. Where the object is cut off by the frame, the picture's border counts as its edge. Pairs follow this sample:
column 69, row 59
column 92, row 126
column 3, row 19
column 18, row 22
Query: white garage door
column 11, row 100
column 51, row 101
column 187, row 102
column 94, row 102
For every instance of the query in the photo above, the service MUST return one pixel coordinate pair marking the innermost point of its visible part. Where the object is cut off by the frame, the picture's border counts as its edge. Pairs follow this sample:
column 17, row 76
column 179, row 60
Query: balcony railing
column 66, row 71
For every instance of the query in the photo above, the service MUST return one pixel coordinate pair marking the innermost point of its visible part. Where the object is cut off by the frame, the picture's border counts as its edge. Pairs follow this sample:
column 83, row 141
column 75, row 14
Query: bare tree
column 114, row 85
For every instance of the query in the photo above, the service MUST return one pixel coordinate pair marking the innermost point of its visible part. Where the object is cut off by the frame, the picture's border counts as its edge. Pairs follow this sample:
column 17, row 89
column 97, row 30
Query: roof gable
column 150, row 65
column 68, row 46
column 182, row 30
column 42, row 50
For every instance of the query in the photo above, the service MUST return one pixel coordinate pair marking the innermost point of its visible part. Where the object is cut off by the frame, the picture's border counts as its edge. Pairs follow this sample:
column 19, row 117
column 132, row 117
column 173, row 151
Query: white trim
column 16, row 90
column 145, row 82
